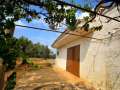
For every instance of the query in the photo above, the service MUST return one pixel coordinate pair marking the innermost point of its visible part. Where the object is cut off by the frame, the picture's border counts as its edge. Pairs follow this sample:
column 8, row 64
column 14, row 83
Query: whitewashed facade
column 100, row 57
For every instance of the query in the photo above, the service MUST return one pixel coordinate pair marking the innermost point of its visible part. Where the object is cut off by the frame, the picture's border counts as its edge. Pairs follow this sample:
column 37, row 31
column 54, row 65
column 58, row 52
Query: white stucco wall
column 99, row 59
column 92, row 66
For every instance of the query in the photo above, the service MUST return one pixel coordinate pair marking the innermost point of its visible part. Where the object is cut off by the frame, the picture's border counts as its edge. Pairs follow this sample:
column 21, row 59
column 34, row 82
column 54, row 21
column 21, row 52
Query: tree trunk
column 2, row 75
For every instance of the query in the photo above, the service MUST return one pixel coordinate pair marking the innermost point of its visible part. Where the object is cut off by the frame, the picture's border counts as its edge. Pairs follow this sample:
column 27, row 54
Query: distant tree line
column 33, row 50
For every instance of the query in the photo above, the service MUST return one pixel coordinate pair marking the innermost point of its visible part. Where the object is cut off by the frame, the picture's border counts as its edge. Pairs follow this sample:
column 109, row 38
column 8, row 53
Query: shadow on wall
column 84, row 48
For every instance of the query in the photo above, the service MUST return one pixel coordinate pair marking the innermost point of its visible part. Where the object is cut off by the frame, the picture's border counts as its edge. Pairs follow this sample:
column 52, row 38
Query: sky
column 43, row 37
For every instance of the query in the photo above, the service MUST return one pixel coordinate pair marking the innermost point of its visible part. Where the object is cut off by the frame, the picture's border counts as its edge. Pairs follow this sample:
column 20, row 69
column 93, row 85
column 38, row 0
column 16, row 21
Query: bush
column 11, row 82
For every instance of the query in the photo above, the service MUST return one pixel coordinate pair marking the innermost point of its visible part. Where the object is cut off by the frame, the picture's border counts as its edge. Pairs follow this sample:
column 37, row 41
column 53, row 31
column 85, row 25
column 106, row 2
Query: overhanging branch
column 41, row 4
column 90, row 11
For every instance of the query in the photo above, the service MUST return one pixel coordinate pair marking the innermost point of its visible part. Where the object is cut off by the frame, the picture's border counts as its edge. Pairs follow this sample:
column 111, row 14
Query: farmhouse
column 93, row 55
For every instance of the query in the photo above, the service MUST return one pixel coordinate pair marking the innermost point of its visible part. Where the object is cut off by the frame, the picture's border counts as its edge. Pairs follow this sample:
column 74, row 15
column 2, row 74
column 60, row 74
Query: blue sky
column 43, row 37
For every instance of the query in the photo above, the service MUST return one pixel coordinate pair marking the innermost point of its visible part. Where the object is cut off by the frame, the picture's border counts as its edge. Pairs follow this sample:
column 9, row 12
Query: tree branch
column 28, row 11
column 96, row 8
column 41, row 4
column 113, row 17
column 35, row 2
column 90, row 11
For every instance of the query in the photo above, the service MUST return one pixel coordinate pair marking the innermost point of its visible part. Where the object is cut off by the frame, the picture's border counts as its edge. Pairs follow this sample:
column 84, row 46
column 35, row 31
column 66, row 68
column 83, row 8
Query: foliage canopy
column 53, row 11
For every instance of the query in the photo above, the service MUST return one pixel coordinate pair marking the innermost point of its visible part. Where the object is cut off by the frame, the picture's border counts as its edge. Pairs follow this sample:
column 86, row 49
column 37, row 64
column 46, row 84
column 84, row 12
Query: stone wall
column 112, row 55
column 110, row 35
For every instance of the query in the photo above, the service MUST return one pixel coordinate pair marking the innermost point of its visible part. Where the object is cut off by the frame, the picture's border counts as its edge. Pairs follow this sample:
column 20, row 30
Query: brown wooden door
column 73, row 58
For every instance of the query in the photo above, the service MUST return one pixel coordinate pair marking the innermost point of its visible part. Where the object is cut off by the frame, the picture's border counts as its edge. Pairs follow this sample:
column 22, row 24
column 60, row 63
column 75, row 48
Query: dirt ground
column 44, row 78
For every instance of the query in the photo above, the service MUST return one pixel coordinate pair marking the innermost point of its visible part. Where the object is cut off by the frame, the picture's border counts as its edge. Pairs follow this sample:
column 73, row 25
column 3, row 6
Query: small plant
column 11, row 82
column 35, row 66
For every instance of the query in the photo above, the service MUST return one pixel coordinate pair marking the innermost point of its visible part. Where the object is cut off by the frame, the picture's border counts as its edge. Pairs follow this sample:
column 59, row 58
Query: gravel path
column 43, row 79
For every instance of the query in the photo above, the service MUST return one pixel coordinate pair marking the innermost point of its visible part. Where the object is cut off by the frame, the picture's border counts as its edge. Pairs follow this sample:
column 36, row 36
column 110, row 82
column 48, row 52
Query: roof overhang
column 66, row 38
